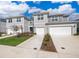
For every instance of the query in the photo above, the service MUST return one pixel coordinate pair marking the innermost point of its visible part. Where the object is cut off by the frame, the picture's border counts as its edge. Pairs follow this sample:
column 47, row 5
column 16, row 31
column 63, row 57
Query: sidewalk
column 34, row 42
column 6, row 36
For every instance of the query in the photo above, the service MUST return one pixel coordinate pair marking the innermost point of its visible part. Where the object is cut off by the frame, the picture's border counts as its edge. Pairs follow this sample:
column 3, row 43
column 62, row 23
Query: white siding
column 40, row 23
column 14, row 22
column 2, row 27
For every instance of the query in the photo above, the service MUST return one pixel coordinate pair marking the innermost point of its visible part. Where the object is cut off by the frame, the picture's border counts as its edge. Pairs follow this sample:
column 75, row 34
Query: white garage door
column 60, row 31
column 39, row 31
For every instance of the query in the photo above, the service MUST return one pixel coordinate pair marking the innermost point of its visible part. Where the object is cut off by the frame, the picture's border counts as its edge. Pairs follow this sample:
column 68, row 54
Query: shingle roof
column 40, row 13
column 18, row 17
column 59, row 15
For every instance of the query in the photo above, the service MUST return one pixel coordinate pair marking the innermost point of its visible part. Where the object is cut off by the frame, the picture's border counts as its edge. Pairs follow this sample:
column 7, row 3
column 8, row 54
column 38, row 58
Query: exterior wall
column 14, row 23
column 2, row 27
column 26, row 28
column 30, row 24
column 40, row 23
column 59, row 19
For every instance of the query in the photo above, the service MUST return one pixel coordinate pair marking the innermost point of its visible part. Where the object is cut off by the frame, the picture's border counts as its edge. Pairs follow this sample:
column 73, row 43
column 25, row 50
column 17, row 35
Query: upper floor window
column 40, row 17
column 18, row 19
column 54, row 19
column 10, row 20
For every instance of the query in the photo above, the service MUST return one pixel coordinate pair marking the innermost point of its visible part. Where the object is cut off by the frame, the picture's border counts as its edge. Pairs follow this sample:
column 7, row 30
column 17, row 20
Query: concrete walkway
column 7, row 36
column 34, row 42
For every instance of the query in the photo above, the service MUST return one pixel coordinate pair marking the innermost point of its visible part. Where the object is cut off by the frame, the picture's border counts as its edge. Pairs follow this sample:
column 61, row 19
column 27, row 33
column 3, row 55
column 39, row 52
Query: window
column 10, row 20
column 54, row 19
column 40, row 17
column 30, row 22
column 18, row 19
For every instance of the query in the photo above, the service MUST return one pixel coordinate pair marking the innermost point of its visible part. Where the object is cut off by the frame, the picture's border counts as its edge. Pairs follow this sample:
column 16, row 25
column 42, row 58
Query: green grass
column 14, row 41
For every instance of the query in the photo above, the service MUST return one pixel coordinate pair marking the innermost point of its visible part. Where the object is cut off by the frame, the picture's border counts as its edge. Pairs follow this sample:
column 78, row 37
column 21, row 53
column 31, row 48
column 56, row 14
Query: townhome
column 20, row 22
column 11, row 25
column 58, row 24
column 2, row 25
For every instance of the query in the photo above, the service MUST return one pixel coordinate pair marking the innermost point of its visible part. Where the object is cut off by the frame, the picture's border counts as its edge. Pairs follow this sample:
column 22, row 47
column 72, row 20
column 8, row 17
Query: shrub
column 1, row 33
column 24, row 34
column 47, row 37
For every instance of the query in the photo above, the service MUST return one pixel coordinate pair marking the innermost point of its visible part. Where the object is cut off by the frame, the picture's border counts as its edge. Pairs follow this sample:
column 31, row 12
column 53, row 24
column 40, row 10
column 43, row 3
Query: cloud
column 53, row 11
column 12, row 9
column 37, row 2
column 67, row 8
column 62, row 2
column 35, row 9
column 63, row 9
column 77, row 2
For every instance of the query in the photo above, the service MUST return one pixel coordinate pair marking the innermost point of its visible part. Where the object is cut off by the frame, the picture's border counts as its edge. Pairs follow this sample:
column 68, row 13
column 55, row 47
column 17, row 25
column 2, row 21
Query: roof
column 70, row 22
column 40, row 13
column 2, row 20
column 59, row 15
column 18, row 17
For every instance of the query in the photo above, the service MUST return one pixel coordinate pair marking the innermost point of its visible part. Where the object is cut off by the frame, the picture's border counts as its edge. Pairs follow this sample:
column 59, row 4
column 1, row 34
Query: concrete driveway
column 69, row 43
column 26, row 49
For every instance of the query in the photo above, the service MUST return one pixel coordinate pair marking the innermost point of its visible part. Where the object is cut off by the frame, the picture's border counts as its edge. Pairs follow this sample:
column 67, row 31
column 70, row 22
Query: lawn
column 14, row 41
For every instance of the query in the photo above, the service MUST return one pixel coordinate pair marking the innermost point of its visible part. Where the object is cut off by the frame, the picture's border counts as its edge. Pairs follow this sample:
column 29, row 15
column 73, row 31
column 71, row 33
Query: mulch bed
column 47, row 44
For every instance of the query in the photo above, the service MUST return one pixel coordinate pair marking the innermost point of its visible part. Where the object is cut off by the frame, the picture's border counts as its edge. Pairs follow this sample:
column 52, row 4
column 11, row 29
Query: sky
column 27, row 8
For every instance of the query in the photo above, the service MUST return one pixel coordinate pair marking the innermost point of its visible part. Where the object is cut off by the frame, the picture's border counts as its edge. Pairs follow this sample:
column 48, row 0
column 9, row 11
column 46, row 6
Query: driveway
column 70, row 45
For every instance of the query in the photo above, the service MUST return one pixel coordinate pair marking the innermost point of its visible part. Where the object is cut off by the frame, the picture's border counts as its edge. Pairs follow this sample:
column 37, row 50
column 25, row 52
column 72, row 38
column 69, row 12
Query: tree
column 15, row 28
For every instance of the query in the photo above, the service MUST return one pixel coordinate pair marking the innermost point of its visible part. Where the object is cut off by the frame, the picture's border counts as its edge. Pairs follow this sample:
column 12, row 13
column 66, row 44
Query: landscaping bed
column 15, row 40
column 1, row 33
column 47, row 44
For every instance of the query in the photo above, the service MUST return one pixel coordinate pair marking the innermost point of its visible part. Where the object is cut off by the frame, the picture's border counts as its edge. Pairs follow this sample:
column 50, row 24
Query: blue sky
column 45, row 5
column 27, row 8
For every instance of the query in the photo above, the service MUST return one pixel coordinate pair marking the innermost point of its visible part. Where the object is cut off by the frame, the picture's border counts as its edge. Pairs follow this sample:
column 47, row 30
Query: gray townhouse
column 16, row 24
column 58, row 24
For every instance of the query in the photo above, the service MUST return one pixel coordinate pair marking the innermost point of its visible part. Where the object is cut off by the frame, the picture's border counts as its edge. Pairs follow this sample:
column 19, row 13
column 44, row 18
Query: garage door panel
column 60, row 31
column 39, row 31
